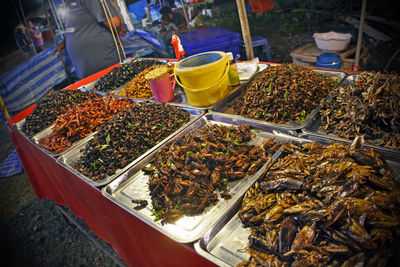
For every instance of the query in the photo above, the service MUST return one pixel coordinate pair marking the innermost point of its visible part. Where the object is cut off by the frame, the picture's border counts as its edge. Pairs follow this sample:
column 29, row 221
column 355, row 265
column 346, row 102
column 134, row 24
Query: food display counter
column 233, row 146
column 135, row 241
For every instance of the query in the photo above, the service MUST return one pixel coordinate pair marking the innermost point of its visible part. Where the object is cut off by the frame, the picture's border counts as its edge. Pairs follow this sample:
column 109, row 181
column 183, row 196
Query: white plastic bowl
column 332, row 41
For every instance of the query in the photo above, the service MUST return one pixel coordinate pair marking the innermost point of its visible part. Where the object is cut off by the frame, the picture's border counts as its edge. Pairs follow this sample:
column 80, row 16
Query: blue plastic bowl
column 329, row 60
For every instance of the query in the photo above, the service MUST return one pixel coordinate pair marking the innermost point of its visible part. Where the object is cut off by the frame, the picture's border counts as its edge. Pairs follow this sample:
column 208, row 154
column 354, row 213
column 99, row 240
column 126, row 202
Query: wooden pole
column 360, row 34
column 3, row 108
column 244, row 23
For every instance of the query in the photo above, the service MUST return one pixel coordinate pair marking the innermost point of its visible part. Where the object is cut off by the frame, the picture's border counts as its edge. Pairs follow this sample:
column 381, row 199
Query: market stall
column 135, row 241
column 208, row 174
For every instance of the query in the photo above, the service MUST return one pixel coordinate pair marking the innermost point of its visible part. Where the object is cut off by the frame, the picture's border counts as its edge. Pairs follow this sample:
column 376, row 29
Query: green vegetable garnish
column 270, row 89
column 236, row 142
column 228, row 137
column 303, row 116
column 134, row 125
column 285, row 96
column 227, row 151
column 101, row 147
column 92, row 165
column 160, row 125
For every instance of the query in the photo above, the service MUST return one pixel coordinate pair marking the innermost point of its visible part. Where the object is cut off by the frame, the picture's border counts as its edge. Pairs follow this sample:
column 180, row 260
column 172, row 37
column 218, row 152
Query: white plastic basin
column 332, row 41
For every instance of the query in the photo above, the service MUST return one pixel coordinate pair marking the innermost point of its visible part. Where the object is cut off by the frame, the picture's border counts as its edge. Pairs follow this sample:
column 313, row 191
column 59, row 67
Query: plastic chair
column 263, row 42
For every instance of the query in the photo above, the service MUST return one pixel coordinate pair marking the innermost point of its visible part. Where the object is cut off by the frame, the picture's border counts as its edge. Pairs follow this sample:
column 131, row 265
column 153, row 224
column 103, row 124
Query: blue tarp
column 11, row 165
column 139, row 43
column 138, row 9
column 26, row 83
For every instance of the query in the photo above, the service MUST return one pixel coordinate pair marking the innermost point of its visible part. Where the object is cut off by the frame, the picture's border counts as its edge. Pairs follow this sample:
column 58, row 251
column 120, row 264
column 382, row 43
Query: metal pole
column 55, row 42
column 244, row 23
column 360, row 34
column 125, row 15
column 16, row 11
column 185, row 14
column 26, row 26
column 60, row 27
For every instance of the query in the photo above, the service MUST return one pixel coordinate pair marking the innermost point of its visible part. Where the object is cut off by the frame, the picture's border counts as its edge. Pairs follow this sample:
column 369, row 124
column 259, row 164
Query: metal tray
column 311, row 129
column 70, row 158
column 46, row 132
column 19, row 125
column 224, row 106
column 180, row 99
column 225, row 243
column 133, row 185
column 91, row 86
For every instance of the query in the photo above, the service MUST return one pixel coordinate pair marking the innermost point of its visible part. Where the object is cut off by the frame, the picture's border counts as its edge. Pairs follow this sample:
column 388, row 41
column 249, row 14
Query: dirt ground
column 34, row 233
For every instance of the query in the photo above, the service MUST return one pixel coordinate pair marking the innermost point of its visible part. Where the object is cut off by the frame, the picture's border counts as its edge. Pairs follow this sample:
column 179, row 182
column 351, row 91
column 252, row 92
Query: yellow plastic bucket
column 204, row 77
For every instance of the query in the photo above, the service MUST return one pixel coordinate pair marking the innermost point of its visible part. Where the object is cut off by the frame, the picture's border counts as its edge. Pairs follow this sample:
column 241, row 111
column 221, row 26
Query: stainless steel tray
column 311, row 129
column 19, row 124
column 70, row 158
column 18, row 127
column 133, row 185
column 181, row 99
column 225, row 243
column 91, row 86
column 46, row 132
column 224, row 106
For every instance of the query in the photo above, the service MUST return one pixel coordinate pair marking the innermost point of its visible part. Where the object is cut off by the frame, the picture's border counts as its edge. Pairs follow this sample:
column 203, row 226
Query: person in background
column 175, row 18
column 88, row 39
column 22, row 42
column 167, row 26
column 167, row 30
column 36, row 37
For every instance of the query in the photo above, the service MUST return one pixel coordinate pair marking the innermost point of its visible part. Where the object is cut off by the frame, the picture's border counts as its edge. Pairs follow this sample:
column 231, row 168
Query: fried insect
column 81, row 121
column 139, row 87
column 140, row 204
column 188, row 175
column 50, row 107
column 123, row 74
column 345, row 212
column 370, row 107
column 285, row 93
column 127, row 136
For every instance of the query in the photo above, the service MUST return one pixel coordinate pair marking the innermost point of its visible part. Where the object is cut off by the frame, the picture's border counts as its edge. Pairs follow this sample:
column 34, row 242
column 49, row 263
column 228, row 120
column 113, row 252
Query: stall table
column 136, row 242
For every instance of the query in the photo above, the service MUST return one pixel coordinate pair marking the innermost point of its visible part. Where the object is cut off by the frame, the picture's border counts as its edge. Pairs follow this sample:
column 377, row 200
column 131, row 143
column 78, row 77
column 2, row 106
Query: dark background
column 9, row 19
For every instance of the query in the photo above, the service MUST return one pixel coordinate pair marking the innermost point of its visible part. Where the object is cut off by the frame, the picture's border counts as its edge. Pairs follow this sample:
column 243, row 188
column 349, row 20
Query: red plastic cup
column 162, row 89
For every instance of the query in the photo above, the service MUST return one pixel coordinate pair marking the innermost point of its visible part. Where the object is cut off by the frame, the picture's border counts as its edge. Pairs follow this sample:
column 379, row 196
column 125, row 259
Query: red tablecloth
column 137, row 243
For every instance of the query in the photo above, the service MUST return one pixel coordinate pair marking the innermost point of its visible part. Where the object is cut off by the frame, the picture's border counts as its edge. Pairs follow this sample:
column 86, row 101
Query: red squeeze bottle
column 176, row 43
